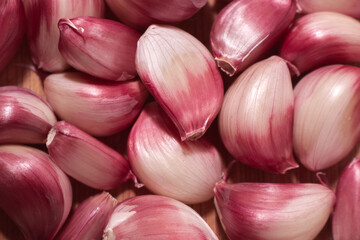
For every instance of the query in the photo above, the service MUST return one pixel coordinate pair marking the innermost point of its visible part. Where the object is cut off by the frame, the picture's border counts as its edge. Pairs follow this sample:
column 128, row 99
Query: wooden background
column 19, row 73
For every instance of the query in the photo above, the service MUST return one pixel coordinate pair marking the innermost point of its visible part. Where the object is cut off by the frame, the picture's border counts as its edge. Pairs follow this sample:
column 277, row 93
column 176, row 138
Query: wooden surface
column 18, row 73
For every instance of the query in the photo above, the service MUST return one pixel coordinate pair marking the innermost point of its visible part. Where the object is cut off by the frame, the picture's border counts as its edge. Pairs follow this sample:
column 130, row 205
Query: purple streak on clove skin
column 12, row 25
column 320, row 39
column 19, row 122
column 245, row 30
column 140, row 14
column 85, row 158
column 346, row 216
column 100, row 47
column 34, row 192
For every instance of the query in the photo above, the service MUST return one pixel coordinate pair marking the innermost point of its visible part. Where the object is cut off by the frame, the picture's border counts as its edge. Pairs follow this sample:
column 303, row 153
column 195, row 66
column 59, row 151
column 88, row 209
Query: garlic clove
column 256, row 119
column 156, row 217
column 100, row 108
column 183, row 170
column 85, row 158
column 267, row 211
column 245, row 30
column 140, row 14
column 42, row 17
column 182, row 76
column 12, row 25
column 89, row 219
column 326, row 115
column 100, row 47
column 322, row 38
column 345, row 220
column 25, row 117
column 34, row 192
column 348, row 7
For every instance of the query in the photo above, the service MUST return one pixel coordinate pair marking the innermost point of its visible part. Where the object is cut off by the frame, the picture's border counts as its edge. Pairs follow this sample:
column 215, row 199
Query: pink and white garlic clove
column 183, row 170
column 348, row 7
column 245, row 30
column 24, row 116
column 100, row 47
column 34, row 192
column 89, row 219
column 346, row 215
column 100, row 108
column 140, row 14
column 268, row 211
column 256, row 119
column 182, row 76
column 12, row 25
column 322, row 38
column 42, row 17
column 85, row 158
column 326, row 115
column 156, row 217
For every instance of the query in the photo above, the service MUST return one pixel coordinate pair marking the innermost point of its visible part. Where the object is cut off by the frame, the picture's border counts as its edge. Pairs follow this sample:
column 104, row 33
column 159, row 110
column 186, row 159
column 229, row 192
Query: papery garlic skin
column 24, row 116
column 12, row 25
column 268, row 211
column 140, row 14
column 34, row 192
column 345, row 220
column 326, row 115
column 100, row 47
column 245, row 30
column 89, row 219
column 42, row 18
column 348, row 7
column 156, row 217
column 182, row 76
column 322, row 38
column 85, row 158
column 186, row 171
column 100, row 108
column 256, row 119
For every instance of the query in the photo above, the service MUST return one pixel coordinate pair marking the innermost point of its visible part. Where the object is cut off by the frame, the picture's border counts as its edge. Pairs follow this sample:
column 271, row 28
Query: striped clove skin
column 322, row 38
column 156, row 217
column 326, row 115
column 141, row 14
column 100, row 47
column 182, row 76
column 256, row 119
column 42, row 17
column 348, row 7
column 89, row 219
column 245, row 30
column 98, row 107
column 12, row 25
column 268, row 211
column 34, row 192
column 346, row 214
column 85, row 158
column 24, row 116
column 183, row 170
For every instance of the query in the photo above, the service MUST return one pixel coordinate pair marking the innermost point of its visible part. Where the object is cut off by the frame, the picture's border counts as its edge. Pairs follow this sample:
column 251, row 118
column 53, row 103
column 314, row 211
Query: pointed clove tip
column 50, row 137
column 226, row 66
column 109, row 234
